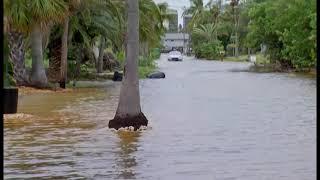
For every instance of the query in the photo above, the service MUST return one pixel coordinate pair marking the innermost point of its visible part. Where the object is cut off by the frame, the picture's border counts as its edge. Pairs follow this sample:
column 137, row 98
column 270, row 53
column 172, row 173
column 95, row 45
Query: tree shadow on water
column 126, row 161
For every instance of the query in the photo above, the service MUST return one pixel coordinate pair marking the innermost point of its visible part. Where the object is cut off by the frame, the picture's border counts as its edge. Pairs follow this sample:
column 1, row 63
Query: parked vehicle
column 175, row 56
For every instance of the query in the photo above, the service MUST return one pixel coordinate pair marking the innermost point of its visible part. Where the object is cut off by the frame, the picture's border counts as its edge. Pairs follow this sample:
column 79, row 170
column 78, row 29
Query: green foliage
column 210, row 51
column 211, row 22
column 155, row 53
column 144, row 71
column 23, row 14
column 146, row 61
column 88, row 21
column 121, row 57
column 288, row 29
column 7, row 66
column 146, row 65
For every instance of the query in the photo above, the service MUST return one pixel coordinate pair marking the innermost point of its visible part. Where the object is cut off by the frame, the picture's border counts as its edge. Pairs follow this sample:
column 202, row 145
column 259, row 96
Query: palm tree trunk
column 236, row 31
column 17, row 53
column 38, row 74
column 64, row 54
column 78, row 64
column 129, row 110
column 54, row 55
column 101, row 53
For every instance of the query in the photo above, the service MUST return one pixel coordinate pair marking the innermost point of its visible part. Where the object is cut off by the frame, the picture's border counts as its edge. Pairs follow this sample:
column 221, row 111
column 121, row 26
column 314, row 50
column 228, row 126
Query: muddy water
column 208, row 120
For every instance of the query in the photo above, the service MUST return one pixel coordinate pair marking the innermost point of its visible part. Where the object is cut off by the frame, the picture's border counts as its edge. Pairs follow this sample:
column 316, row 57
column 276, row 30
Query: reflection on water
column 126, row 162
column 206, row 122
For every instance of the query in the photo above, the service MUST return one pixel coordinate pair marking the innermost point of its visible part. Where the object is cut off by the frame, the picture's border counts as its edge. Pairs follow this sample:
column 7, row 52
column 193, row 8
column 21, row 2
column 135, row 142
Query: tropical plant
column 207, row 32
column 197, row 10
column 287, row 28
column 210, row 50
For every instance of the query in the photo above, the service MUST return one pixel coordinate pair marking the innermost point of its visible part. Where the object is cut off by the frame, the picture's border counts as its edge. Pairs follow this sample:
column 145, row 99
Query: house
column 178, row 41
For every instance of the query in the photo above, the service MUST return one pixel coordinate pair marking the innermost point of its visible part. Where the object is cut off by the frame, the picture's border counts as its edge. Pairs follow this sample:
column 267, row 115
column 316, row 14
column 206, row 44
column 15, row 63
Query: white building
column 178, row 41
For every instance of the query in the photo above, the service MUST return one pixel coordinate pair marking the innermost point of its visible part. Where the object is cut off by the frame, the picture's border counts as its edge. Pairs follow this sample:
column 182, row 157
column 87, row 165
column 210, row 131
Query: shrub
column 208, row 50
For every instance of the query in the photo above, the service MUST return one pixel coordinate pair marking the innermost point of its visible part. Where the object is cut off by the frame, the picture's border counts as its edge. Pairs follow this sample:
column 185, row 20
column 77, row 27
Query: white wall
column 174, row 43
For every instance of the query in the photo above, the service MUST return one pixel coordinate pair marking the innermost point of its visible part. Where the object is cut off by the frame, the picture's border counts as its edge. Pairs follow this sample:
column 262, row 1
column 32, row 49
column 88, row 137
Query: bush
column 208, row 50
column 121, row 57
column 291, row 36
column 146, row 65
column 155, row 53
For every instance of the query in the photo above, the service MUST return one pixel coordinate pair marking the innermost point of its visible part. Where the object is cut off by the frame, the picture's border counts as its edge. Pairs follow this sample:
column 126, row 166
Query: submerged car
column 175, row 56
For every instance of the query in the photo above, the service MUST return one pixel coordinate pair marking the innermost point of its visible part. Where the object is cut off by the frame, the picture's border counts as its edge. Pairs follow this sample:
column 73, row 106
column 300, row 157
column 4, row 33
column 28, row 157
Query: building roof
column 176, row 36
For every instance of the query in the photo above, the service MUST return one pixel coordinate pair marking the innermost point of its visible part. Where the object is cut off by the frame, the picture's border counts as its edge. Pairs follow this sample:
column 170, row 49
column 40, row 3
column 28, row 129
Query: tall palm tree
column 235, row 4
column 73, row 6
column 41, row 13
column 129, row 110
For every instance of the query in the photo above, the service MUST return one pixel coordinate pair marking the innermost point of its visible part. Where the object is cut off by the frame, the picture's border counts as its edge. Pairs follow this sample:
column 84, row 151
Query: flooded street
column 208, row 120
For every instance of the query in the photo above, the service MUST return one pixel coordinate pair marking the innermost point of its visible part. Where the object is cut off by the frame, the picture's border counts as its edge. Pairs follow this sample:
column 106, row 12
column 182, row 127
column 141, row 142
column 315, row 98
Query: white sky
column 178, row 5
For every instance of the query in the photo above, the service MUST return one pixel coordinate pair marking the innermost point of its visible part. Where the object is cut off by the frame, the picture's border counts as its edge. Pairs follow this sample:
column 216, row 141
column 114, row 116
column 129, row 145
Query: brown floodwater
column 208, row 120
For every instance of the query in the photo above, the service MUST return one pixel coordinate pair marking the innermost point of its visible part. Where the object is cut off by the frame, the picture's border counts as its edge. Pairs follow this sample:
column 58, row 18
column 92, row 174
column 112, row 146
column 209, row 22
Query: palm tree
column 207, row 31
column 42, row 12
column 87, row 20
column 15, row 23
column 197, row 10
column 235, row 4
column 31, row 17
column 73, row 6
column 129, row 110
column 151, row 26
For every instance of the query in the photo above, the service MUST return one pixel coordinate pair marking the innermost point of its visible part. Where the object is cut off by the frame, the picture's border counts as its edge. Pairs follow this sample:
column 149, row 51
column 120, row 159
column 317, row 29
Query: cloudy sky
column 178, row 5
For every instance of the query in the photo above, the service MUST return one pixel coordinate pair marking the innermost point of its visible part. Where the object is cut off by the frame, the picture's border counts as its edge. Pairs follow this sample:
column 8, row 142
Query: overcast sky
column 178, row 5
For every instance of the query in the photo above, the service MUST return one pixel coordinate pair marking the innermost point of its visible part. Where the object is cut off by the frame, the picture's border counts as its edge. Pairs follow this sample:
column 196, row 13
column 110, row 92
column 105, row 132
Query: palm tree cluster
column 68, row 31
column 216, row 23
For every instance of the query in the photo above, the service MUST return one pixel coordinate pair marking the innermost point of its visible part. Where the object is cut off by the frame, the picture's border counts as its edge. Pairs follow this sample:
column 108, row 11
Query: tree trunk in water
column 38, row 73
column 17, row 53
column 101, row 53
column 64, row 54
column 129, row 109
